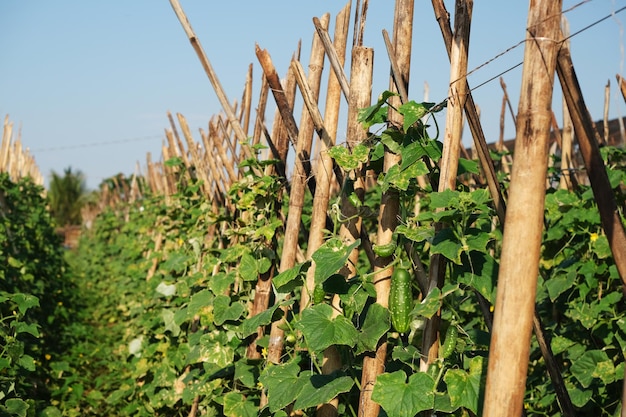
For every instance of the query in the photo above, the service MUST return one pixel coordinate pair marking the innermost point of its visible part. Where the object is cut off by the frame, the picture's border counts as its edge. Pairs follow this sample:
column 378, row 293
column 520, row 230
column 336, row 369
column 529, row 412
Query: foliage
column 34, row 297
column 167, row 291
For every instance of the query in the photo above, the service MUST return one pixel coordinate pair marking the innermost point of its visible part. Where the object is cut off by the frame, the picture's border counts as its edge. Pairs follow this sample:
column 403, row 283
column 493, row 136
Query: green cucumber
column 449, row 344
column 401, row 300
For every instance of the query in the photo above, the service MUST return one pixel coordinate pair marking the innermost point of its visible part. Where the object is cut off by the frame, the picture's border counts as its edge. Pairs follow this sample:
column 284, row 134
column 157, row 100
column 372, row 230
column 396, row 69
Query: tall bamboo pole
column 457, row 96
column 515, row 300
column 373, row 365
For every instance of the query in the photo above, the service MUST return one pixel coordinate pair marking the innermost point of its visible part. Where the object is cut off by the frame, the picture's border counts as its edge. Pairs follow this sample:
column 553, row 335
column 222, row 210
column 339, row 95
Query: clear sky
column 90, row 82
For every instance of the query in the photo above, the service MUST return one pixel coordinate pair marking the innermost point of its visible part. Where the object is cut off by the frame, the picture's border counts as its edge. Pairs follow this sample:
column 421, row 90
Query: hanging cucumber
column 449, row 343
column 400, row 300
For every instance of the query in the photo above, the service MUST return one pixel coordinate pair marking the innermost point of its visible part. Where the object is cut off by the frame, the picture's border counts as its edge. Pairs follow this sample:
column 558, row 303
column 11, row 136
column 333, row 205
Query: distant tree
column 66, row 195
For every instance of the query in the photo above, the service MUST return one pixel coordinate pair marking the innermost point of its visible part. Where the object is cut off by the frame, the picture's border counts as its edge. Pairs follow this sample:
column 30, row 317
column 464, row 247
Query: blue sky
column 76, row 74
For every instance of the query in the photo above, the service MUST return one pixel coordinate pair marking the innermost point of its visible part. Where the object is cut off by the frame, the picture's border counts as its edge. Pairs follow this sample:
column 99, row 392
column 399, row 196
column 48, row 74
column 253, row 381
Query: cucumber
column 449, row 344
column 385, row 250
column 400, row 300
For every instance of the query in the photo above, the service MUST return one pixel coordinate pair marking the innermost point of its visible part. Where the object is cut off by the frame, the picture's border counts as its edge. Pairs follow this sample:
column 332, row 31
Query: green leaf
column 560, row 282
column 429, row 305
column 170, row 324
column 248, row 268
column 16, row 407
column 479, row 271
column 321, row 330
column 224, row 311
column 282, row 383
column 21, row 327
column 25, row 301
column 400, row 177
column 464, row 387
column 466, row 165
column 236, row 405
column 320, row 389
column 174, row 162
column 560, row 344
column 579, row 396
column 416, row 233
column 445, row 199
column 401, row 399
column 413, row 111
column 349, row 160
column 199, row 301
column 601, row 247
column 288, row 280
column 251, row 324
column 176, row 262
column 376, row 324
column 593, row 364
column 447, row 244
column 246, row 373
column 331, row 257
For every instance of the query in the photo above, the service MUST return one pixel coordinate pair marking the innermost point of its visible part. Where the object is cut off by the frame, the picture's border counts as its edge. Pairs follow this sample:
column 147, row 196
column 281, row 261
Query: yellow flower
column 47, row 356
column 491, row 308
column 593, row 237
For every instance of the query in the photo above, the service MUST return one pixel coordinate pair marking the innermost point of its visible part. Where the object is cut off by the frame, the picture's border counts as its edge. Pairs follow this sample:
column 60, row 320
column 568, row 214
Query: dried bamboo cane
column 299, row 178
column 515, row 300
column 373, row 365
column 596, row 170
column 457, row 96
column 208, row 68
column 473, row 119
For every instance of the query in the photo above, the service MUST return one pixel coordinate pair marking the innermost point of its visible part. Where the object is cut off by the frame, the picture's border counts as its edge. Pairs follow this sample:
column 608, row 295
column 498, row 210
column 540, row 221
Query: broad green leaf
column 24, row 302
column 444, row 199
column 170, row 324
column 248, row 268
column 282, row 383
column 236, row 405
column 376, row 324
column 583, row 313
column 579, row 396
column 560, row 282
column 447, row 244
column 246, row 373
column 321, row 330
column 211, row 350
column 27, row 362
column 560, row 344
column 464, row 387
column 429, row 305
column 349, row 160
column 400, row 178
column 176, row 261
column 251, row 324
column 601, row 247
column 413, row 111
column 199, row 301
column 320, row 389
column 16, row 407
column 479, row 271
column 593, row 364
column 411, row 154
column 354, row 299
column 21, row 327
column 51, row 411
column 287, row 280
column 400, row 398
column 174, row 162
column 331, row 257
column 466, row 165
column 416, row 233
column 224, row 311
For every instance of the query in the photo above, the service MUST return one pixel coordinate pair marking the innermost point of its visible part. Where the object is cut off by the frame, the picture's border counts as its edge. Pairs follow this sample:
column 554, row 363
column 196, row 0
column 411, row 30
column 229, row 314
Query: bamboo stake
column 334, row 56
column 457, row 95
column 473, row 119
column 567, row 134
column 260, row 113
column 396, row 74
column 596, row 170
column 298, row 182
column 515, row 300
column 373, row 365
column 208, row 68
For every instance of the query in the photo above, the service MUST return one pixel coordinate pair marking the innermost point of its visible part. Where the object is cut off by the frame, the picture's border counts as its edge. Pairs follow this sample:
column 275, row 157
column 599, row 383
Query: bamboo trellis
column 16, row 160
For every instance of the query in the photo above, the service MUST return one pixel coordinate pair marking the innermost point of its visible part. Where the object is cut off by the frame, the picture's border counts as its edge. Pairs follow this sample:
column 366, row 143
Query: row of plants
column 164, row 325
column 36, row 298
